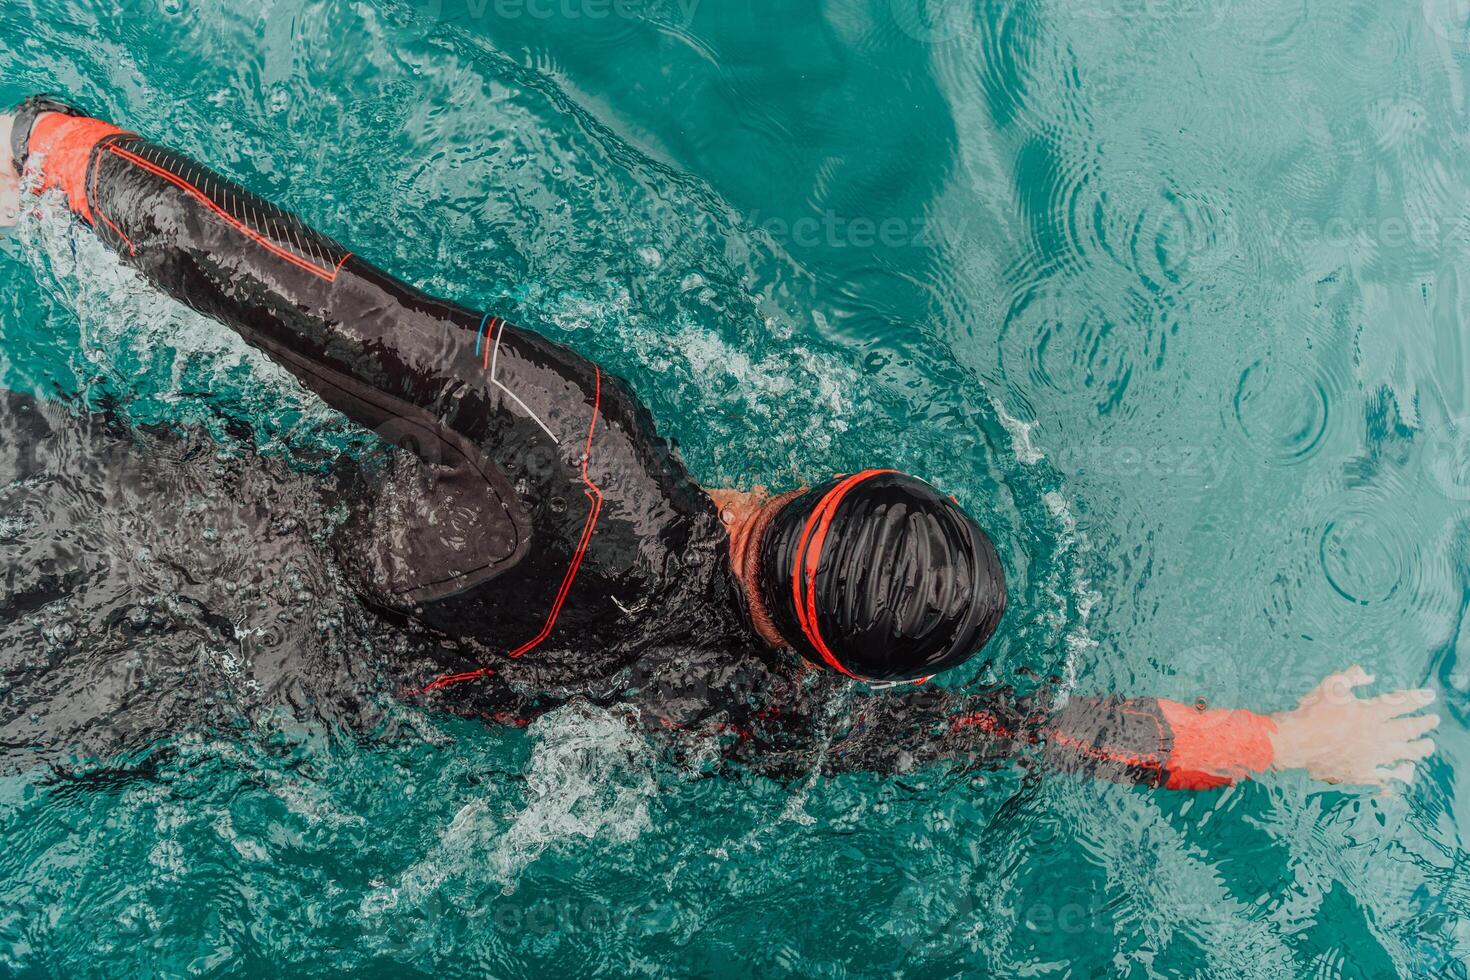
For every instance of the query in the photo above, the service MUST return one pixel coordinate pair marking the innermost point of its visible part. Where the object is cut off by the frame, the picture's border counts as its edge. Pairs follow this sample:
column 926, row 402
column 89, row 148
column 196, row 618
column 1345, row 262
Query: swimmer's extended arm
column 1150, row 741
column 1331, row 734
column 388, row 356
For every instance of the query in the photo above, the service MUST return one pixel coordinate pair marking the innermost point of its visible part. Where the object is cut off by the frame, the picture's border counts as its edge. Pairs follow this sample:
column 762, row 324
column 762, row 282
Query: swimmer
column 534, row 522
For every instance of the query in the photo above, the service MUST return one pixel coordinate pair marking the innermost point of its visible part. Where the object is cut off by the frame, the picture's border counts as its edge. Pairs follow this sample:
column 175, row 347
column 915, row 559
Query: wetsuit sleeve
column 1148, row 741
column 529, row 456
column 363, row 342
column 387, row 356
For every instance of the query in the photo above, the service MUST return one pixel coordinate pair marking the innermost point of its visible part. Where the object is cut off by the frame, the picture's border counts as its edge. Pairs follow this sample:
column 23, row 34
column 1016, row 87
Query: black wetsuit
column 539, row 520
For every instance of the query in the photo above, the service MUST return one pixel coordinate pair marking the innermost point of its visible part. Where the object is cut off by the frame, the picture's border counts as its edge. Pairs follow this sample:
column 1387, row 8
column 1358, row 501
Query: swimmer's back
column 550, row 516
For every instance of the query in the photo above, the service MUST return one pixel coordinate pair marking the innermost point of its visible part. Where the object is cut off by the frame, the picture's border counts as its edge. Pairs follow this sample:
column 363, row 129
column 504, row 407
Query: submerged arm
column 1333, row 735
column 1150, row 741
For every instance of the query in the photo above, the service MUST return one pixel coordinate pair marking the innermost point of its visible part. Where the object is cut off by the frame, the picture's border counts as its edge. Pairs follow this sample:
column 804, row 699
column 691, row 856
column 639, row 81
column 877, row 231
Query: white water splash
column 774, row 378
column 1072, row 545
column 788, row 388
column 1020, row 433
column 589, row 777
column 1078, row 638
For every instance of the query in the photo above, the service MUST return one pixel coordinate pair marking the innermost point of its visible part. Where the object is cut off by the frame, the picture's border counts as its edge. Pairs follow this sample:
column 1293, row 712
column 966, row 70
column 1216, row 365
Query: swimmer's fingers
column 1410, row 727
column 1399, row 763
column 1396, row 703
column 1401, row 773
column 1340, row 738
column 1418, row 750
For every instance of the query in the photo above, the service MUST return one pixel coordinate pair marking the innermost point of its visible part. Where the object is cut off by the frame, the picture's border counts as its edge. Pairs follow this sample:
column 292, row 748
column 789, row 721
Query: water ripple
column 1281, row 411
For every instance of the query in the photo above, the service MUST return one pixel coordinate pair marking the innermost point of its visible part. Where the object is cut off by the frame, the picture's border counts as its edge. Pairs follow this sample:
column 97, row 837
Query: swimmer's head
column 878, row 576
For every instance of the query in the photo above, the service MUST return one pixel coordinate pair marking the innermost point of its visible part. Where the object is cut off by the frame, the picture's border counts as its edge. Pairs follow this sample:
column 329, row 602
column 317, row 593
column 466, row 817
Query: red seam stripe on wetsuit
column 62, row 146
column 1215, row 748
column 1134, row 758
column 330, row 275
column 988, row 723
column 809, row 557
column 1129, row 757
column 594, row 495
column 97, row 205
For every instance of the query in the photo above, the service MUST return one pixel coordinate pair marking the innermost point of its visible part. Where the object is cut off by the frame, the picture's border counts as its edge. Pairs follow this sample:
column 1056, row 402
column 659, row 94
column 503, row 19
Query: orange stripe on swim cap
column 62, row 146
column 813, row 635
column 809, row 559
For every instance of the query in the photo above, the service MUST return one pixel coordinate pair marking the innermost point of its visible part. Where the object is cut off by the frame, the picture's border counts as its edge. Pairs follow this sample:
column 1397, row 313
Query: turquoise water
column 1170, row 293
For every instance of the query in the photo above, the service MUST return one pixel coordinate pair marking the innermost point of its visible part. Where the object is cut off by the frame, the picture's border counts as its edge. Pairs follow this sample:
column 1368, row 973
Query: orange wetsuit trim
column 62, row 146
column 809, row 559
column 1216, row 747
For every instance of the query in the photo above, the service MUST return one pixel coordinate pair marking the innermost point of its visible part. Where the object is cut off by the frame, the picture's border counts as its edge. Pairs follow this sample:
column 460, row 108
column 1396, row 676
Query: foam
column 589, row 777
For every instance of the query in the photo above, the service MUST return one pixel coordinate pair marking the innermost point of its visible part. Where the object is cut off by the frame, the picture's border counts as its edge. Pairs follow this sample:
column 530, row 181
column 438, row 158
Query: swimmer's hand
column 1338, row 737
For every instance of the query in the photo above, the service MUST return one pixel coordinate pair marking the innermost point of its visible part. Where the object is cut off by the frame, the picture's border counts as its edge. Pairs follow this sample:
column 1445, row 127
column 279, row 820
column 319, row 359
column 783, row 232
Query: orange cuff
column 61, row 147
column 1215, row 748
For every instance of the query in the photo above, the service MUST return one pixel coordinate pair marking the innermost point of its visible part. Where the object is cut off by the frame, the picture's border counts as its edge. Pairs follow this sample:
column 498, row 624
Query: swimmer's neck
column 746, row 515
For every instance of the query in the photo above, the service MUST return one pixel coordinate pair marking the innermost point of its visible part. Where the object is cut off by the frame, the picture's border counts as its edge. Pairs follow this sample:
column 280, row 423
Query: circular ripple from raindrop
column 1281, row 411
column 1366, row 555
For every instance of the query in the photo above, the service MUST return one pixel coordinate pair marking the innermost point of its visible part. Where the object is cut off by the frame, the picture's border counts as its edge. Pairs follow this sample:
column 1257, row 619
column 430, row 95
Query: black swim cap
column 879, row 576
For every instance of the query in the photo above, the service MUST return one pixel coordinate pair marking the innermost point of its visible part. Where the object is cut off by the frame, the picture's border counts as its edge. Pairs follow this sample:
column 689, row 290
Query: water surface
column 1171, row 294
